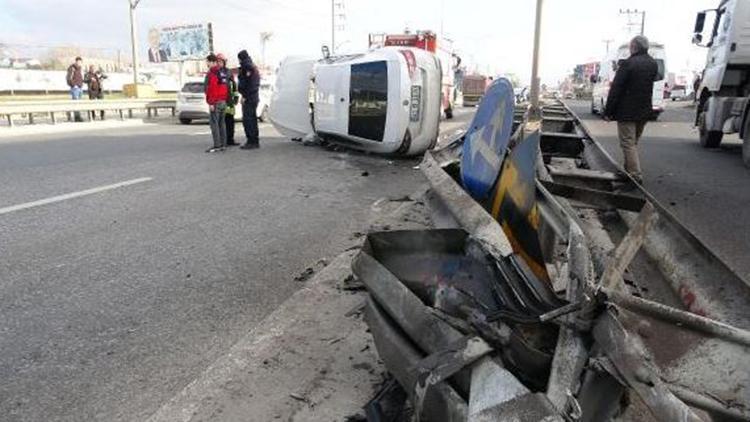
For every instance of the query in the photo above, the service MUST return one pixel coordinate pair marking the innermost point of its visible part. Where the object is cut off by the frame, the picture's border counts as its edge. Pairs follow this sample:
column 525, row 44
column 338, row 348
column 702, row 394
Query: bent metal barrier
column 565, row 292
column 52, row 107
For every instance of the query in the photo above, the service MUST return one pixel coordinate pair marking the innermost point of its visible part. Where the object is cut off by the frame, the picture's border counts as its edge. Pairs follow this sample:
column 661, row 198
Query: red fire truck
column 441, row 47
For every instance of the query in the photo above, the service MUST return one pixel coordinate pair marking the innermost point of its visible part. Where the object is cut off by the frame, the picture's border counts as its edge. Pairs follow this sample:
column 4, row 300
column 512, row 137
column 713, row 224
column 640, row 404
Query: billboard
column 179, row 43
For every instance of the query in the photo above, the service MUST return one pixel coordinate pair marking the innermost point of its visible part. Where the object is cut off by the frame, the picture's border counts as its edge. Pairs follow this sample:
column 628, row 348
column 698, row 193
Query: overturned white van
column 385, row 101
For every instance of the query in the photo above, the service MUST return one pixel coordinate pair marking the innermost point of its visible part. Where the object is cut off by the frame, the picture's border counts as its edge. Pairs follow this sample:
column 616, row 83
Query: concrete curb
column 306, row 361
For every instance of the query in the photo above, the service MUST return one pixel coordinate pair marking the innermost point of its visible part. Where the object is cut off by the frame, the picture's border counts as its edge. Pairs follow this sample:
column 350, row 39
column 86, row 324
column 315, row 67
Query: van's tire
column 449, row 113
column 263, row 115
column 185, row 121
column 708, row 138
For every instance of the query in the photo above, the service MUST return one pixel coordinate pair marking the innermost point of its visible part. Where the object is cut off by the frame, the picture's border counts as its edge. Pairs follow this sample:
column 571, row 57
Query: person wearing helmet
column 217, row 92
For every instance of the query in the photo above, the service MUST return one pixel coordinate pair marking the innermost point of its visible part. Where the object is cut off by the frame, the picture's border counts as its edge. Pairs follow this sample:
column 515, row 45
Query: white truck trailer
column 723, row 94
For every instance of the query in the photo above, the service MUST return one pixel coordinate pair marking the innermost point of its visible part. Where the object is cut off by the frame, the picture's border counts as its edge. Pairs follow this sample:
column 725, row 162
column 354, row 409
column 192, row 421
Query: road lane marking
column 72, row 195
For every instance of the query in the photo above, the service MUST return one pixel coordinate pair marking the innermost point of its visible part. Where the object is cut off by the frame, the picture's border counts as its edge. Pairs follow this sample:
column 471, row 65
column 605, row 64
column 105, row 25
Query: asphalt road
column 707, row 189
column 112, row 302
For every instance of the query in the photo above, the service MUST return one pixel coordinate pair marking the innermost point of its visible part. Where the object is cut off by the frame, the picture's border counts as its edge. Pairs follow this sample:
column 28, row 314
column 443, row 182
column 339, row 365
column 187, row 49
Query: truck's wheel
column 708, row 138
column 185, row 121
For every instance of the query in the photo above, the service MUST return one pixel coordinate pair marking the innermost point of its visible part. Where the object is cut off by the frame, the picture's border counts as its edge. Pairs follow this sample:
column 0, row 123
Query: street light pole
column 535, row 63
column 132, row 4
column 333, row 26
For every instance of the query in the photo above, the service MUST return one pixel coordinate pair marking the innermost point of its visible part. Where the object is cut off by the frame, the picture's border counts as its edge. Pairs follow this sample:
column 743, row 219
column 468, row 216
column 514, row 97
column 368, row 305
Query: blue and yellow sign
column 515, row 204
column 486, row 140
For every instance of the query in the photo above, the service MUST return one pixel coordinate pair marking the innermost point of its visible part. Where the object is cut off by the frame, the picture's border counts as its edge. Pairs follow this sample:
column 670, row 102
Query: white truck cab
column 608, row 67
column 725, row 85
column 386, row 101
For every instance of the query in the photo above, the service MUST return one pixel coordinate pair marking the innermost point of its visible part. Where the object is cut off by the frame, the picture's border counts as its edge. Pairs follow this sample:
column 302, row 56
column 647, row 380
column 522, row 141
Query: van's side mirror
column 700, row 21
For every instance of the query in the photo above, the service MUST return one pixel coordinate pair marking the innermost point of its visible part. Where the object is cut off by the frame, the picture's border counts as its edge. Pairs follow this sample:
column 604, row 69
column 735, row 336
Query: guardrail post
column 10, row 120
column 174, row 111
column 148, row 112
column 122, row 115
column 52, row 117
column 31, row 118
column 130, row 113
column 156, row 111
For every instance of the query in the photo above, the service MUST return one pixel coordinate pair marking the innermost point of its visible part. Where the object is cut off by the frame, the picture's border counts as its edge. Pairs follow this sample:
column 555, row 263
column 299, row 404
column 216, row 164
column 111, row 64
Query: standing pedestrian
column 94, row 79
column 629, row 101
column 696, row 87
column 217, row 91
column 231, row 101
column 249, row 84
column 74, row 78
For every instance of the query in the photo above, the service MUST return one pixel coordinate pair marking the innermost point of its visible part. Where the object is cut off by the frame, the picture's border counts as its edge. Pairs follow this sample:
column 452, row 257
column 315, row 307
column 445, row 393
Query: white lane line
column 72, row 195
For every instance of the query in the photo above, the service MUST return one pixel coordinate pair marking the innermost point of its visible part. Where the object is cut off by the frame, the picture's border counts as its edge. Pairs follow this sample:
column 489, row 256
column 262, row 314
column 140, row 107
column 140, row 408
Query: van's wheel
column 708, row 138
column 449, row 113
column 185, row 121
column 264, row 115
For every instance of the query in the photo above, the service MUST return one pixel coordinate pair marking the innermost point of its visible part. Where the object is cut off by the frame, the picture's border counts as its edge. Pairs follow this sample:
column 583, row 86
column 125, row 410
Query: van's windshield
column 368, row 100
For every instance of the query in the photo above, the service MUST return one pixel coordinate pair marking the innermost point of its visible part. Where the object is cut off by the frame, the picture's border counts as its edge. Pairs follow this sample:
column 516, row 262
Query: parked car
column 606, row 76
column 678, row 93
column 386, row 101
column 191, row 103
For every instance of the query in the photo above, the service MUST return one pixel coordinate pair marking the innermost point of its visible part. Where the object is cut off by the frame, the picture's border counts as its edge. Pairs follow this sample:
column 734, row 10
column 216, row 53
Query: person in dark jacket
column 629, row 101
column 94, row 79
column 249, row 84
column 74, row 78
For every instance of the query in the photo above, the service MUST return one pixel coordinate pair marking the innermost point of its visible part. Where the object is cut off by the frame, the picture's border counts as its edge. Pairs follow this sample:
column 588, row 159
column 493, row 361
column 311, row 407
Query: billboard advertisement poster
column 180, row 42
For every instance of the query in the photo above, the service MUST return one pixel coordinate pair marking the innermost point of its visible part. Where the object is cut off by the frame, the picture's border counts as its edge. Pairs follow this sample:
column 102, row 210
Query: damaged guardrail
column 564, row 291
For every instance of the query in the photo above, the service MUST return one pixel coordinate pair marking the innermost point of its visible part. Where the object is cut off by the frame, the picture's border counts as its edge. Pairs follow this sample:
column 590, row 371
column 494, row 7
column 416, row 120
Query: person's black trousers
column 229, row 120
column 250, row 121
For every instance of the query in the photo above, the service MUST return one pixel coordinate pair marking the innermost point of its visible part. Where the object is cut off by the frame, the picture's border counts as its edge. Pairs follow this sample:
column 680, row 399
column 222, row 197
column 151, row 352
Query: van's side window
column 368, row 100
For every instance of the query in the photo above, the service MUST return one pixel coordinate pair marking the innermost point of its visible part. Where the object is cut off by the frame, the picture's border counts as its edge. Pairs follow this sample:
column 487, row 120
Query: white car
column 191, row 103
column 386, row 101
column 606, row 76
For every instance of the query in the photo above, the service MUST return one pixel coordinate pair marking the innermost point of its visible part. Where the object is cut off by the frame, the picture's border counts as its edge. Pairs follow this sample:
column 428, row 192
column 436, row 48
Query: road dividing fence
column 52, row 108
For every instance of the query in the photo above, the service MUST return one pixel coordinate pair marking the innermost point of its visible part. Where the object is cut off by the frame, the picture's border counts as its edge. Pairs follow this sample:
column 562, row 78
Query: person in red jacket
column 217, row 92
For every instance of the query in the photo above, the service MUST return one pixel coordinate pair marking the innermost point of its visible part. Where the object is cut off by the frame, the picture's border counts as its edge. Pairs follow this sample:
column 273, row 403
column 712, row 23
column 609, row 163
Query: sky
column 493, row 36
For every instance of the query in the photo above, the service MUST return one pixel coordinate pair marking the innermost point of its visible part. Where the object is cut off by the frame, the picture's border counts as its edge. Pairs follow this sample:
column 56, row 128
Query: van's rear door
column 332, row 98
column 368, row 93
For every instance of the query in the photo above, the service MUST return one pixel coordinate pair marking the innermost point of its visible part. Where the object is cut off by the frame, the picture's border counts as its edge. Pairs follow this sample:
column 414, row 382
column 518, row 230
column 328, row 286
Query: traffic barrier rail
column 51, row 107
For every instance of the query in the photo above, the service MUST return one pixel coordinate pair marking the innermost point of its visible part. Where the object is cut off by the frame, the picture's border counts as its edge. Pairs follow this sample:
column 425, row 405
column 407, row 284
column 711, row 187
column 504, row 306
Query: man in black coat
column 249, row 84
column 629, row 101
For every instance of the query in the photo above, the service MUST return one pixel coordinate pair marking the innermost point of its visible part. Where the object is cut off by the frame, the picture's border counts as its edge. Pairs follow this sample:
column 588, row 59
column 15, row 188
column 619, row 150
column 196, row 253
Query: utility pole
column 535, row 61
column 264, row 38
column 338, row 15
column 607, row 43
column 629, row 13
column 132, row 4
